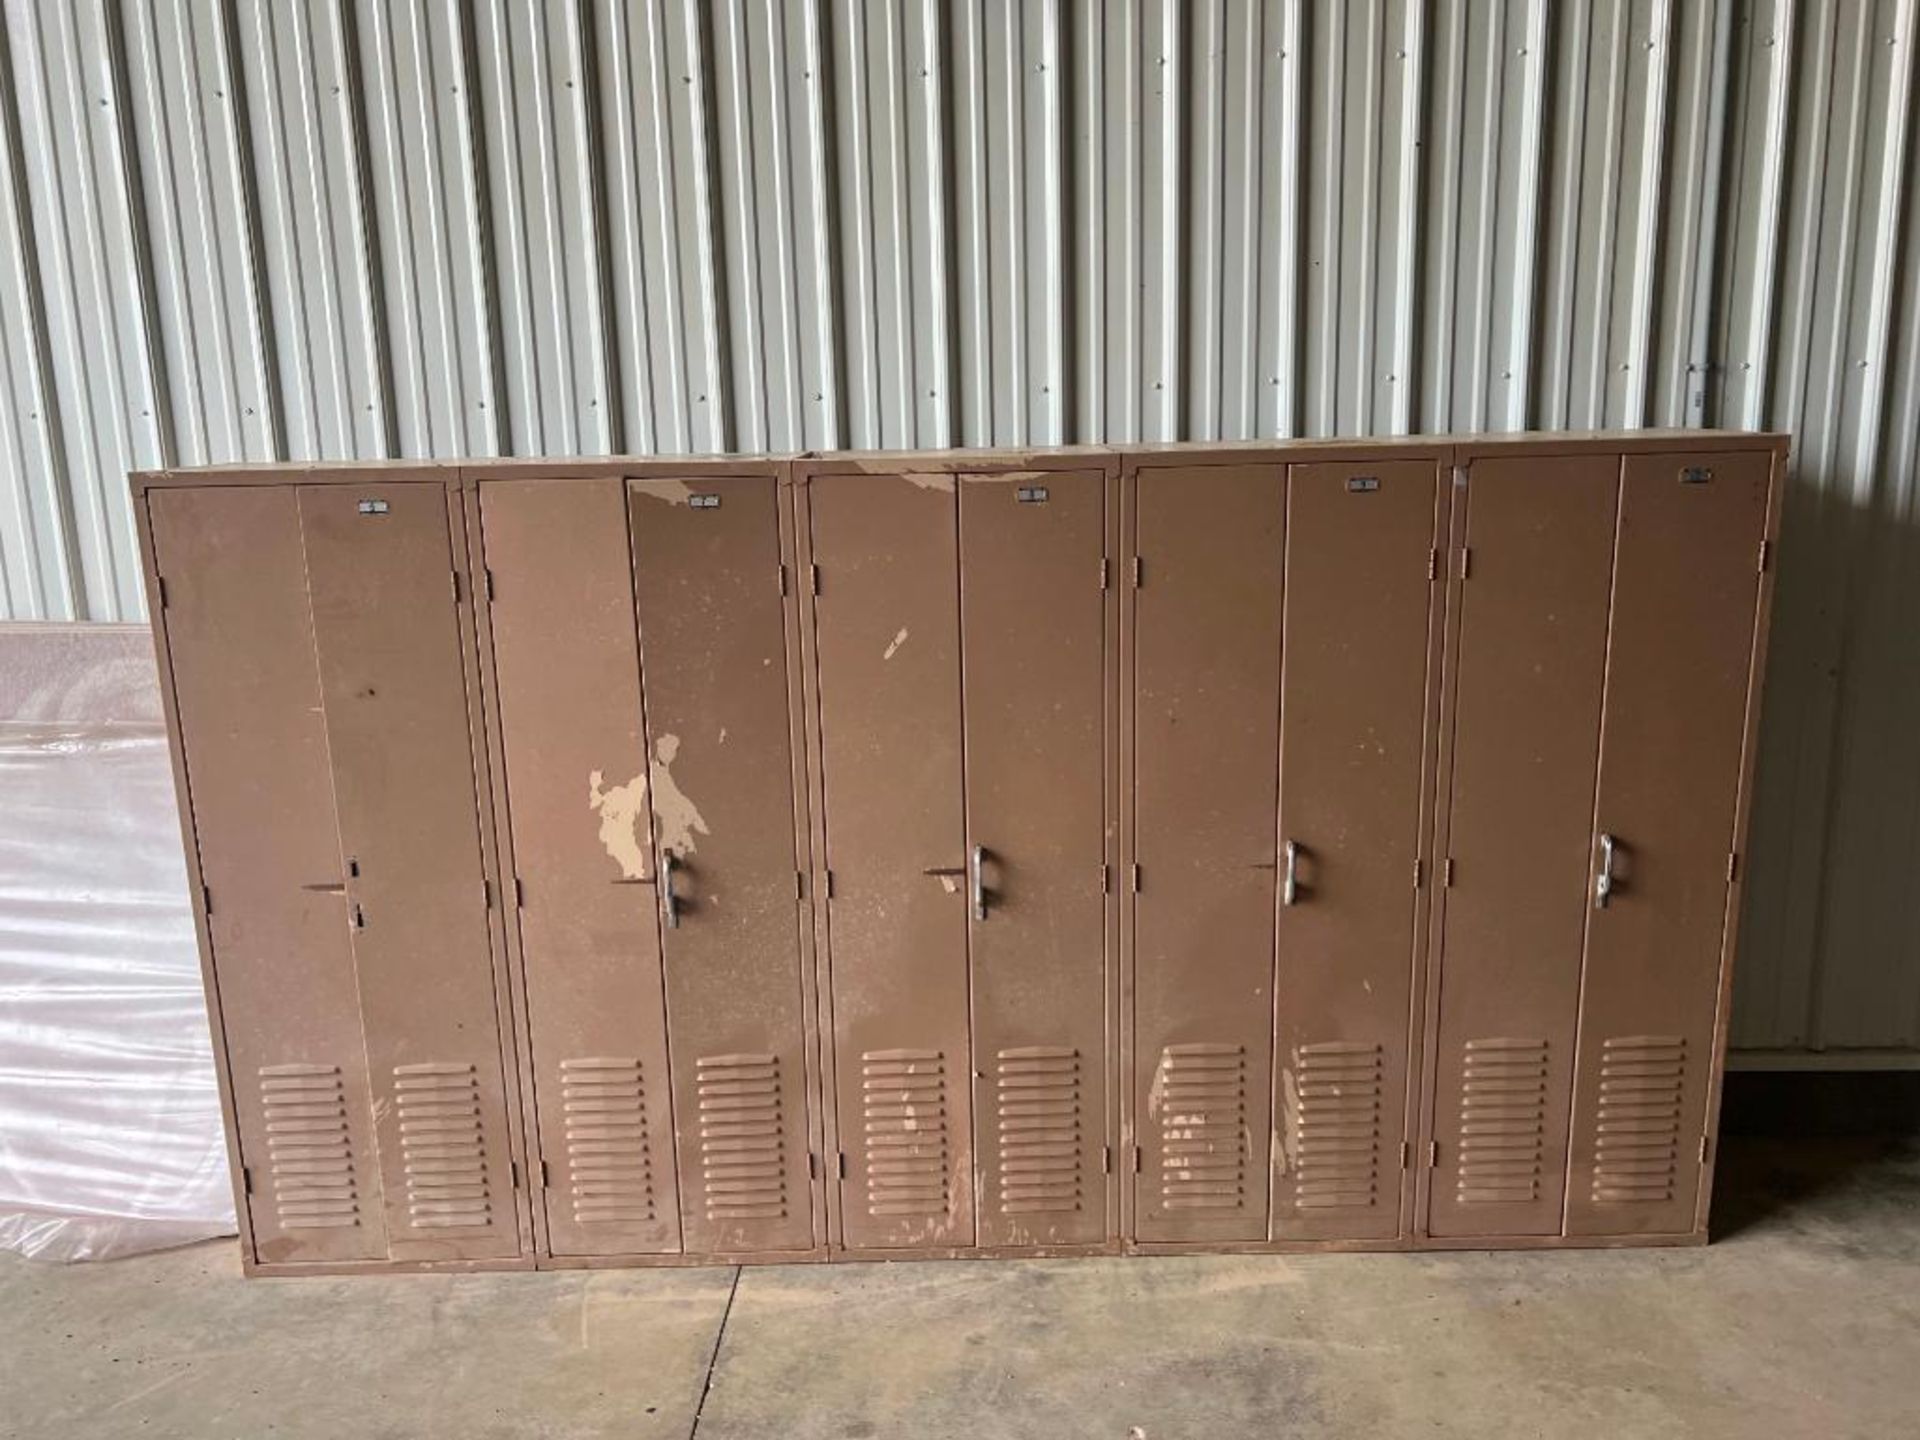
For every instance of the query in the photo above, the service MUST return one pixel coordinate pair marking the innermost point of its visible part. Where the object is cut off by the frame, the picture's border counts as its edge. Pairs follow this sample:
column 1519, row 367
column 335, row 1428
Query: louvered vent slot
column 1637, row 1143
column 742, row 1177
column 1037, row 1110
column 309, row 1147
column 1332, row 1119
column 1201, row 1092
column 904, row 1096
column 603, row 1102
column 1503, row 1122
column 443, row 1151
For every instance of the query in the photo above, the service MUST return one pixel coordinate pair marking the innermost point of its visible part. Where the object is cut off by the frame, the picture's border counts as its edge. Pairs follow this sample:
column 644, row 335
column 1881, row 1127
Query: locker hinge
column 1419, row 873
column 783, row 577
column 1733, row 865
column 1433, row 1154
column 1705, row 1146
column 206, row 900
column 799, row 885
column 513, row 1174
column 1106, row 1160
column 843, row 1164
column 1766, row 554
column 519, row 893
column 813, row 1166
column 1139, row 573
column 1406, row 1154
column 160, row 584
column 546, row 1176
column 456, row 587
column 1446, row 877
column 487, row 575
column 826, row 881
column 1133, row 879
column 1460, row 475
column 1136, row 1158
column 814, row 578
column 1466, row 561
column 486, row 893
column 246, row 1180
column 1433, row 564
column 1105, row 572
column 1106, row 879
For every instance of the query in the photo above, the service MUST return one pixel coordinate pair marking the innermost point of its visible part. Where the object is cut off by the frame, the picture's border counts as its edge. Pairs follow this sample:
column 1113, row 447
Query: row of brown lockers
column 935, row 854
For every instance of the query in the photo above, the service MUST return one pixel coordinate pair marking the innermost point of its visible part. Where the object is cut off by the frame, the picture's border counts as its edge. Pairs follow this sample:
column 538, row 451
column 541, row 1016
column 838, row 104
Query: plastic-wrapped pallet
column 110, row 1131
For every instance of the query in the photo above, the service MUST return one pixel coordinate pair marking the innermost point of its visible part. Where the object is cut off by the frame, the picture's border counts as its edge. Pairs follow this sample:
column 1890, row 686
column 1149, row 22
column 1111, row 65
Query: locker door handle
column 1290, row 878
column 669, row 902
column 977, row 880
column 1603, row 881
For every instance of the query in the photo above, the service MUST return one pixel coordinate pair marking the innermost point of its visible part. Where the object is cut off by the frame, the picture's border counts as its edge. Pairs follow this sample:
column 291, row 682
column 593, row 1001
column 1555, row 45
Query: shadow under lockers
column 901, row 855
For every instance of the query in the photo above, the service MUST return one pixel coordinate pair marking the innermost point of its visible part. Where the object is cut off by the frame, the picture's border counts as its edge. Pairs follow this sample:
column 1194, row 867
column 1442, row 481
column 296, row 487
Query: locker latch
column 704, row 502
column 1696, row 475
column 1362, row 484
column 373, row 507
column 1031, row 494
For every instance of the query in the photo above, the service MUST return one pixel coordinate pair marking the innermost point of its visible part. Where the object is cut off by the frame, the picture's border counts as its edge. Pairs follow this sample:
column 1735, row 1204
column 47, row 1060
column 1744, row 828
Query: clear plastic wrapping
column 110, row 1126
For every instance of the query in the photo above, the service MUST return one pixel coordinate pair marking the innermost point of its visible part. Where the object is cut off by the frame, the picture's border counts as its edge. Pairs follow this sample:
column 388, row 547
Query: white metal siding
column 256, row 229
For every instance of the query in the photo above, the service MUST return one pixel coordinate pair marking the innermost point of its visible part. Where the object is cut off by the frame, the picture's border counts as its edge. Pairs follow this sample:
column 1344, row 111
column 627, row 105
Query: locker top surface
column 1454, row 449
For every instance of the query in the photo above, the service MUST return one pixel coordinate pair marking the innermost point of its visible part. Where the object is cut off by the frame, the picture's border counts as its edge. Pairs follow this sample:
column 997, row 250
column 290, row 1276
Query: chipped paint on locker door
column 713, row 639
column 1527, row 665
column 1352, row 747
column 897, row 927
column 567, row 668
column 1206, row 705
column 248, row 706
column 1686, row 591
column 380, row 583
column 1033, row 620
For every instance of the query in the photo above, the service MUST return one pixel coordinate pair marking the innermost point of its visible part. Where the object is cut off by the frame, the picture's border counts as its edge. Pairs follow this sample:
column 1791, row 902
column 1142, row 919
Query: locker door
column 887, row 634
column 1529, row 656
column 248, row 703
column 1206, row 712
column 1360, row 540
column 392, row 681
column 1686, row 590
column 567, row 666
column 1033, row 618
column 713, row 641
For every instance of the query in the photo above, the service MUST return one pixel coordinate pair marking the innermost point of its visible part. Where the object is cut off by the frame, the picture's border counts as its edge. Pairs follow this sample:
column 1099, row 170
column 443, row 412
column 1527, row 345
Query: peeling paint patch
column 899, row 639
column 926, row 480
column 623, row 817
column 680, row 819
column 674, row 492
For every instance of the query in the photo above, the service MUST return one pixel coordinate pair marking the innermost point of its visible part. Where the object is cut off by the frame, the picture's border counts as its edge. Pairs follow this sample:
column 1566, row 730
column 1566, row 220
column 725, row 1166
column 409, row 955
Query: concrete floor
column 1803, row 1320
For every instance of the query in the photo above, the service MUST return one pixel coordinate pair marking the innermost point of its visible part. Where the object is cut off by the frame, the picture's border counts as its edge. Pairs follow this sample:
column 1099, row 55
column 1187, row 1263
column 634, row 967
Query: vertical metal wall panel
column 423, row 169
column 299, row 71
column 238, row 230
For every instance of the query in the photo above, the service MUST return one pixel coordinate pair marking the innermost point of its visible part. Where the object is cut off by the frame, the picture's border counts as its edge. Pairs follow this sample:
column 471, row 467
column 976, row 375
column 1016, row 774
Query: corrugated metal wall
column 262, row 229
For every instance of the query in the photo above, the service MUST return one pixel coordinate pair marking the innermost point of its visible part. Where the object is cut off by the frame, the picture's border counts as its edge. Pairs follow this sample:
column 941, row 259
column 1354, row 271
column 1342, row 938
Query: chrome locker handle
column 1603, row 881
column 669, row 902
column 1290, row 879
column 977, row 880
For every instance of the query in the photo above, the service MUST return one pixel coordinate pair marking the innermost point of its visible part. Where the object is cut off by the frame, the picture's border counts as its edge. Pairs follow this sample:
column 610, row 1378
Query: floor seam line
column 713, row 1360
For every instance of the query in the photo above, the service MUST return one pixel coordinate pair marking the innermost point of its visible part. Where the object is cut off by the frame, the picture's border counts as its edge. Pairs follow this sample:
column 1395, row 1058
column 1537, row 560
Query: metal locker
column 381, row 585
column 247, row 706
column 1206, row 640
column 886, row 629
column 1529, row 648
column 1033, row 626
column 712, row 609
column 1360, row 581
column 566, row 667
column 1686, row 594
